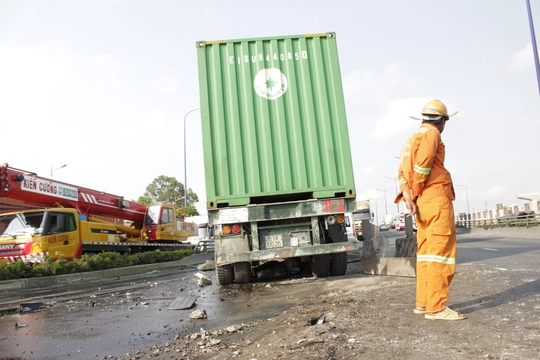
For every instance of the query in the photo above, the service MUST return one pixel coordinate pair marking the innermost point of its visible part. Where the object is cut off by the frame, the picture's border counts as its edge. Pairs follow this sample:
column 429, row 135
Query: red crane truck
column 69, row 220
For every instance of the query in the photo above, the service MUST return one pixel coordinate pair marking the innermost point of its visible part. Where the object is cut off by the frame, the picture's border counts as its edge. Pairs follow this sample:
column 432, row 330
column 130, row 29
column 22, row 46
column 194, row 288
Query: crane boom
column 27, row 187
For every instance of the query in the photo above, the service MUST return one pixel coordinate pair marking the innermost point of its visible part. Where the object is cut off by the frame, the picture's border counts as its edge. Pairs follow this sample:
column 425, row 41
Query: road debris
column 208, row 265
column 198, row 314
column 317, row 320
column 29, row 307
column 203, row 280
column 233, row 328
column 183, row 302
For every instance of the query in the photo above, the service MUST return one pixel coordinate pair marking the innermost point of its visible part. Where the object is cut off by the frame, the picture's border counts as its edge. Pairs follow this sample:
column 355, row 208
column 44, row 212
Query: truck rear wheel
column 320, row 265
column 242, row 272
column 224, row 274
column 338, row 267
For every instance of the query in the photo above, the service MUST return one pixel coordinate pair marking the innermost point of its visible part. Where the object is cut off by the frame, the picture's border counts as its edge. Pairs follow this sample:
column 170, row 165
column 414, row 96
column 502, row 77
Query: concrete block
column 368, row 249
column 396, row 266
column 406, row 247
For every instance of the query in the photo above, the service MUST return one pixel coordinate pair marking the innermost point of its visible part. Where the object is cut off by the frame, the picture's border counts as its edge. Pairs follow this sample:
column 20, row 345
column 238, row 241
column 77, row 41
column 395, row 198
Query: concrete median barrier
column 46, row 281
column 379, row 258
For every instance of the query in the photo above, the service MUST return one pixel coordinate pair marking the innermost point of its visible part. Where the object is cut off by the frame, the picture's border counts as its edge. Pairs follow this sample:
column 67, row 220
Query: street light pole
column 466, row 194
column 185, row 162
column 385, row 207
column 533, row 41
column 58, row 168
column 395, row 181
column 376, row 210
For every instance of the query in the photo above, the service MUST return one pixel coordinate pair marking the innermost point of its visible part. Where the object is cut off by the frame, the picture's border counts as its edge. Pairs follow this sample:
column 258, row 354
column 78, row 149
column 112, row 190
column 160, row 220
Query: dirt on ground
column 362, row 316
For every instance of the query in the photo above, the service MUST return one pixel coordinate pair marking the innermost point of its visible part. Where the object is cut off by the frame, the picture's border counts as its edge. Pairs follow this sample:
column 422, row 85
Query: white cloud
column 370, row 194
column 165, row 83
column 200, row 190
column 368, row 170
column 375, row 86
column 521, row 59
column 397, row 120
column 108, row 62
column 497, row 190
column 150, row 124
column 29, row 78
column 210, row 14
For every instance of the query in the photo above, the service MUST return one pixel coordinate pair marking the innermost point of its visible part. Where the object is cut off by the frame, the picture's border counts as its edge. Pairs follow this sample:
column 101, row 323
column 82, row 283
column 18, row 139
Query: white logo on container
column 270, row 83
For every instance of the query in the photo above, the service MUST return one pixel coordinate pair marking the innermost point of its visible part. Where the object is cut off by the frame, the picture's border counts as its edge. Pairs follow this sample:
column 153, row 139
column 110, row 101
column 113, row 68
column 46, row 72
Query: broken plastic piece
column 29, row 307
column 317, row 320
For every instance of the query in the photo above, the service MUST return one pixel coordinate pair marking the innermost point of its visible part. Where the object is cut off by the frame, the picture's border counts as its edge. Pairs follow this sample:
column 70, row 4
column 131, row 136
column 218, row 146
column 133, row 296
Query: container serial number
column 302, row 55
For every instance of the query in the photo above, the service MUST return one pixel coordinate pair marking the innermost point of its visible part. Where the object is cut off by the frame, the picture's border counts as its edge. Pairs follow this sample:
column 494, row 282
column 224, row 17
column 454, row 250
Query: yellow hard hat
column 435, row 107
column 434, row 110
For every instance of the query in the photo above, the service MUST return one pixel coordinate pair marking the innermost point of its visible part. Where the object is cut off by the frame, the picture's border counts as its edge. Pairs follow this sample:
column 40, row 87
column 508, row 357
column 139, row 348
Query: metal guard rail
column 515, row 220
column 204, row 246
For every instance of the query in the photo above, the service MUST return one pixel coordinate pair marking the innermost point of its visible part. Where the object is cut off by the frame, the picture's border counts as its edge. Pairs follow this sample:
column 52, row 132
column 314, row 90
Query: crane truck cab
column 32, row 234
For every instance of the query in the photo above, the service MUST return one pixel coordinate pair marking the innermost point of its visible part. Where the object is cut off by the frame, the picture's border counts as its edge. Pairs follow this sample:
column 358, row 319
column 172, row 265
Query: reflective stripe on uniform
column 421, row 170
column 402, row 181
column 437, row 258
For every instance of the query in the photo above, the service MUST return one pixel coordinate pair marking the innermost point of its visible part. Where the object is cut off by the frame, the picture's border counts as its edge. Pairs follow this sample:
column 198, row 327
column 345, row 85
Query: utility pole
column 395, row 180
column 185, row 162
column 376, row 210
column 533, row 41
column 385, row 207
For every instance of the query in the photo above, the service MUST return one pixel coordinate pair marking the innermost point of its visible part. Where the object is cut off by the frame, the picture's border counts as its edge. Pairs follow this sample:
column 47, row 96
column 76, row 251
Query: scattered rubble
column 198, row 314
column 204, row 281
column 208, row 265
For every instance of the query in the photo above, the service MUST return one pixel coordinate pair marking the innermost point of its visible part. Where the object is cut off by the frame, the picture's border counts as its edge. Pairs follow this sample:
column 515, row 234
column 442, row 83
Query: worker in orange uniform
column 426, row 187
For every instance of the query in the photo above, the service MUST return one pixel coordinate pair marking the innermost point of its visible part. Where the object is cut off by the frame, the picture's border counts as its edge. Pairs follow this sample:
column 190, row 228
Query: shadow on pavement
column 502, row 298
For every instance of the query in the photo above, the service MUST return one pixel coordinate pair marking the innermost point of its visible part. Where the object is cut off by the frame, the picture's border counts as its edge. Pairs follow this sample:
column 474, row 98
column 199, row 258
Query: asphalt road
column 497, row 280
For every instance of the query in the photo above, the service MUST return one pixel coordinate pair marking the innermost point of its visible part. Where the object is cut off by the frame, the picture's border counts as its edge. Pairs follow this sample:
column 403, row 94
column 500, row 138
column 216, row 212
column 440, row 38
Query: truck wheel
column 320, row 265
column 242, row 272
column 224, row 274
column 338, row 267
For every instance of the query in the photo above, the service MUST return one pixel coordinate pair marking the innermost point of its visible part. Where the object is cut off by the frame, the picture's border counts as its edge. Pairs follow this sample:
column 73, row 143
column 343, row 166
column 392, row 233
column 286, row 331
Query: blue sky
column 104, row 86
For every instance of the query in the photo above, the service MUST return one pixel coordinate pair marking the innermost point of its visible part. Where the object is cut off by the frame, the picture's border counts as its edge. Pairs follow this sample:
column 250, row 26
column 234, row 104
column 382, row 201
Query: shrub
column 100, row 261
column 16, row 270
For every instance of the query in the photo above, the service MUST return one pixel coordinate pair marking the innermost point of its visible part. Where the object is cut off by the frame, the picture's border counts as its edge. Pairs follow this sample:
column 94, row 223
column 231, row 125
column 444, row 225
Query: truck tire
column 242, row 272
column 338, row 267
column 224, row 274
column 320, row 265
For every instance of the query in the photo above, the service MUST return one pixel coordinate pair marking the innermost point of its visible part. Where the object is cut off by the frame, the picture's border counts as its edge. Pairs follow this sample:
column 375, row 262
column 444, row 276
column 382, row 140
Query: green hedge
column 101, row 261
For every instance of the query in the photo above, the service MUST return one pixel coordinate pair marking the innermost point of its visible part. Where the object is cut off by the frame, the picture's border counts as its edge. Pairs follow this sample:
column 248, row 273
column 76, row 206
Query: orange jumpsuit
column 422, row 172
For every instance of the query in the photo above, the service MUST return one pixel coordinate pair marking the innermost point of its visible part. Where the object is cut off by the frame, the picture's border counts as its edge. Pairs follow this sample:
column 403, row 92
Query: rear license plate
column 273, row 241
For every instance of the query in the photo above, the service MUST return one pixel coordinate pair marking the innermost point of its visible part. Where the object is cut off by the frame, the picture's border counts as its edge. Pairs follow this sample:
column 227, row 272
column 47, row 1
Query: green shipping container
column 273, row 120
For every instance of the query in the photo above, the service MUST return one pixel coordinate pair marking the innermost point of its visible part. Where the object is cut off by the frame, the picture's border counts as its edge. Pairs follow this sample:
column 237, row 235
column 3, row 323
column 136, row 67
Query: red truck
column 64, row 220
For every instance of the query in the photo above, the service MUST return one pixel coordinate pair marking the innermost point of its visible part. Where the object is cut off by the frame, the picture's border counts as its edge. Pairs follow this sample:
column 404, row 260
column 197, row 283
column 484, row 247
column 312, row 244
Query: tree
column 144, row 200
column 168, row 189
column 190, row 210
